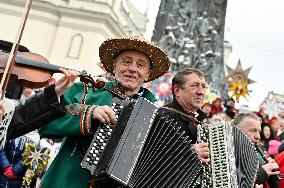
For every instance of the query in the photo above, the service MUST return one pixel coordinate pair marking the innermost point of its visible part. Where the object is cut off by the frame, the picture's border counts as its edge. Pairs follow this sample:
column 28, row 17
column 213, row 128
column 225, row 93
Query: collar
column 116, row 88
column 198, row 114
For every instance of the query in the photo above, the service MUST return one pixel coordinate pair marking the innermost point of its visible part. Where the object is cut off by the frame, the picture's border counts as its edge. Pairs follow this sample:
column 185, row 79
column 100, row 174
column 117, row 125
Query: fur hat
column 111, row 48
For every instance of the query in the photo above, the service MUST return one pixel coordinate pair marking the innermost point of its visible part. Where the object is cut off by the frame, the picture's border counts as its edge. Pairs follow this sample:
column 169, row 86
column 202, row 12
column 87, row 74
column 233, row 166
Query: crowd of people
column 73, row 111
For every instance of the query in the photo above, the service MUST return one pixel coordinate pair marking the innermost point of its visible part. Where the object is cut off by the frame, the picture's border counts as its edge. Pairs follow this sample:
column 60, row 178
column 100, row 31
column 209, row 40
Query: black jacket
column 187, row 124
column 37, row 110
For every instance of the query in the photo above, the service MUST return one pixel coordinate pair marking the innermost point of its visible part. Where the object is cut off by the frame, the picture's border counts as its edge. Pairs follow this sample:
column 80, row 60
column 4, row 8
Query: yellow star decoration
column 239, row 89
column 238, row 81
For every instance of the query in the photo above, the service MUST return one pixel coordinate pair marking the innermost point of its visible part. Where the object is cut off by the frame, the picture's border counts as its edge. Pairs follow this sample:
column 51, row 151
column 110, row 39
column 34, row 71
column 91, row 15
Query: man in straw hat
column 132, row 61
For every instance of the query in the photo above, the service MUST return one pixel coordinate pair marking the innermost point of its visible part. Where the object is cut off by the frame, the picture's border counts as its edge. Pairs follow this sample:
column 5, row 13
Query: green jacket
column 65, row 170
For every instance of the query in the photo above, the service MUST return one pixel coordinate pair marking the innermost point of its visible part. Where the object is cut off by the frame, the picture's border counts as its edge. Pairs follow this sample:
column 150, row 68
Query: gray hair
column 241, row 116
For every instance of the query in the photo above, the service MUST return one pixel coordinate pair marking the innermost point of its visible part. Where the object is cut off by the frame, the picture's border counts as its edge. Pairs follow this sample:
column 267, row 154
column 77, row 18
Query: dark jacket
column 37, row 110
column 262, row 177
column 11, row 155
column 187, row 125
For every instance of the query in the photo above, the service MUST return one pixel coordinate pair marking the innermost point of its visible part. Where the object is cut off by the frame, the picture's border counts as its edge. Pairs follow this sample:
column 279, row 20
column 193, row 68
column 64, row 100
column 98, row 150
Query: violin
column 34, row 70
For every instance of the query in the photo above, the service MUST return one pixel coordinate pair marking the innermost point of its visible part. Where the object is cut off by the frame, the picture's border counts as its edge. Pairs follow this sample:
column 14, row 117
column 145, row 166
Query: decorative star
column 35, row 158
column 238, row 81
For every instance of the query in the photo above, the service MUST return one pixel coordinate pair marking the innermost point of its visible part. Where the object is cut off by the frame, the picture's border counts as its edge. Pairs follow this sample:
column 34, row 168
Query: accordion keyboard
column 99, row 142
column 218, row 145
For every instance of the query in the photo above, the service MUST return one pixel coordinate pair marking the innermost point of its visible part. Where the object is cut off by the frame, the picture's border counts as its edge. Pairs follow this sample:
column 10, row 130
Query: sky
column 256, row 32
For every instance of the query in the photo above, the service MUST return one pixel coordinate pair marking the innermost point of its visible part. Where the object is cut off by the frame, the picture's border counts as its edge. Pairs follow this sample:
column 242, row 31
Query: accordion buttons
column 91, row 151
column 102, row 147
column 95, row 144
column 87, row 159
column 95, row 162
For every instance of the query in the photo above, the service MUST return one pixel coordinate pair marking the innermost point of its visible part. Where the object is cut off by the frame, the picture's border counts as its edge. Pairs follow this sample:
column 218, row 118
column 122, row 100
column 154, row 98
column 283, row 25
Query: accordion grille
column 148, row 150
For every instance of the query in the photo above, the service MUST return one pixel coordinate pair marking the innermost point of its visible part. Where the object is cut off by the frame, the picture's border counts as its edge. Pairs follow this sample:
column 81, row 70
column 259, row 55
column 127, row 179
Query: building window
column 75, row 46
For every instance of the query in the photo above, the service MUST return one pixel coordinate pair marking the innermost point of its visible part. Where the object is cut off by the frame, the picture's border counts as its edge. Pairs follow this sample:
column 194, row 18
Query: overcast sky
column 256, row 31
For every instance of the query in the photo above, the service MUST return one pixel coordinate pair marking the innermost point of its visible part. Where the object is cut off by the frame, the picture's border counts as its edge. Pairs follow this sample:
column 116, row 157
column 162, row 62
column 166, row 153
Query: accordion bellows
column 146, row 149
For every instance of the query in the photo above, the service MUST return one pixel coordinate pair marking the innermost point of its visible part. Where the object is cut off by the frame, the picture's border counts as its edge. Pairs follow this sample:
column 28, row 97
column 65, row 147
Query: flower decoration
column 162, row 87
column 35, row 158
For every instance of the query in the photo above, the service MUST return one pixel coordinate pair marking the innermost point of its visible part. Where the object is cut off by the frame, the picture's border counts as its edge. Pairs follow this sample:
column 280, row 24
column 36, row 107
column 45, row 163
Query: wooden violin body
column 34, row 71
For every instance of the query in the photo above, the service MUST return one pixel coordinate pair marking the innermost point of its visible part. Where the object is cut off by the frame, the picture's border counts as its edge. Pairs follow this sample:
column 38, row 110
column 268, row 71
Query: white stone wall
column 52, row 24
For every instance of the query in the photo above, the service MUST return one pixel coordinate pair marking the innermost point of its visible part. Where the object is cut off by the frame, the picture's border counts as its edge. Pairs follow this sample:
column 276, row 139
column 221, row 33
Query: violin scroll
column 88, row 79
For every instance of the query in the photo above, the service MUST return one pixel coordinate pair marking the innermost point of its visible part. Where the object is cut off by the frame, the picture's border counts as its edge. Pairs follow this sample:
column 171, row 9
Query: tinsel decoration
column 35, row 160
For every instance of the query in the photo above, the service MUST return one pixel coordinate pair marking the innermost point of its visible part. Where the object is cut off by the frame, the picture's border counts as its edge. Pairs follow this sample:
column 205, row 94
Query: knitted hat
column 273, row 147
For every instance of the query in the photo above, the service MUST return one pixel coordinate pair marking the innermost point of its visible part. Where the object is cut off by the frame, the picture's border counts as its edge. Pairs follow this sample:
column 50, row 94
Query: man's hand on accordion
column 203, row 151
column 104, row 114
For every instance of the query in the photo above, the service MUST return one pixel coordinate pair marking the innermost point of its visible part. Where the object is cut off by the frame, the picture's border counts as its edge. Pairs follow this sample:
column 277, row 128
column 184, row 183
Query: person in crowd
column 280, row 132
column 216, row 106
column 206, row 108
column 132, row 61
column 274, row 125
column 265, row 136
column 273, row 147
column 249, row 123
column 279, row 159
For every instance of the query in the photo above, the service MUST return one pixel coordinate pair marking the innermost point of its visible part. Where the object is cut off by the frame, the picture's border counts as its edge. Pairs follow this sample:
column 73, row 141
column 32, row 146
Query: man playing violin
column 132, row 61
column 37, row 109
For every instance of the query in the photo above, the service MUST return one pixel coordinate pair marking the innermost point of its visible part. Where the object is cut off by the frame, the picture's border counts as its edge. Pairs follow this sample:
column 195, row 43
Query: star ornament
column 239, row 89
column 35, row 158
column 237, row 81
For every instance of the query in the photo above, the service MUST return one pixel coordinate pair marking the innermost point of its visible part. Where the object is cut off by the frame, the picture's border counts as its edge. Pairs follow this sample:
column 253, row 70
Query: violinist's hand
column 66, row 81
column 203, row 151
column 2, row 110
column 104, row 114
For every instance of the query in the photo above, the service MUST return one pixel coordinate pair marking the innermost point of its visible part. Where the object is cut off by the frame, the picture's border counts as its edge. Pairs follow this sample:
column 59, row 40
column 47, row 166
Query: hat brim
column 112, row 47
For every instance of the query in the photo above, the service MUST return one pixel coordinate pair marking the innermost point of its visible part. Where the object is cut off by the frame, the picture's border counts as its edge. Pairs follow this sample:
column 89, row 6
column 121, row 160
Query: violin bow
column 13, row 53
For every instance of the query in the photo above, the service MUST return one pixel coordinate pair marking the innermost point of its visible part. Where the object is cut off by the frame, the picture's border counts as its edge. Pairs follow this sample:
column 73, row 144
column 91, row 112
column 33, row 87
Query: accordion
column 145, row 149
column 233, row 158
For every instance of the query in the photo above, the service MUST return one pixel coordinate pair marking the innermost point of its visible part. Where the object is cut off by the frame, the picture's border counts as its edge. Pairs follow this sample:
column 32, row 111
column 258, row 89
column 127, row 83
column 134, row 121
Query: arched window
column 75, row 46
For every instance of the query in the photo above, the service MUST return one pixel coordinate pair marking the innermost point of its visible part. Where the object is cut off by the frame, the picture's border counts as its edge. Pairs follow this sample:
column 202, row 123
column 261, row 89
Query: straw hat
column 111, row 48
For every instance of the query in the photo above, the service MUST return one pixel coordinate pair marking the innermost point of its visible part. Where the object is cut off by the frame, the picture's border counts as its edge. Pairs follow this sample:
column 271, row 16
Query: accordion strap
column 181, row 113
